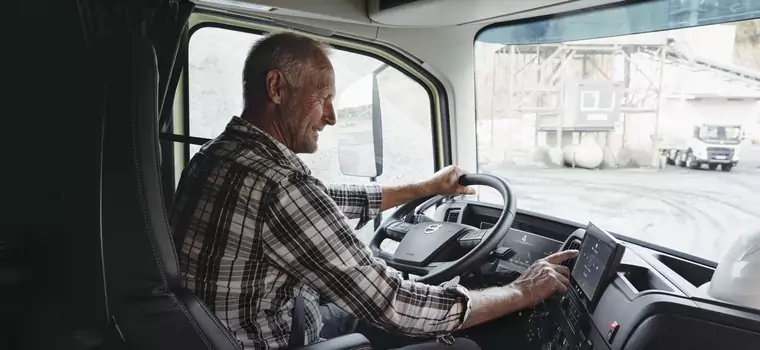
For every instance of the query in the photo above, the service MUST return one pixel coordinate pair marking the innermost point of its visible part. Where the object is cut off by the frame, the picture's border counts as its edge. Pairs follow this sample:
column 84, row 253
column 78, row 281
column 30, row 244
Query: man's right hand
column 542, row 279
column 545, row 278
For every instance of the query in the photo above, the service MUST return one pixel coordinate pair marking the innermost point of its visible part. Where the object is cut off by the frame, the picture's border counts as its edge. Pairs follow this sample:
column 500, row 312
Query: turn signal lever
column 489, row 274
column 503, row 253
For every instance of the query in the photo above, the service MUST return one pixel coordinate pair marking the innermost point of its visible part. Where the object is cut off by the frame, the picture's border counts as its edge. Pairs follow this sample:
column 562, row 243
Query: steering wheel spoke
column 421, row 271
column 473, row 238
column 438, row 266
column 397, row 230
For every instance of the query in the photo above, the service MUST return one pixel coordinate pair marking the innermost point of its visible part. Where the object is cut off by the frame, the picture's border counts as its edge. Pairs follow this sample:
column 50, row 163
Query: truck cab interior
column 109, row 100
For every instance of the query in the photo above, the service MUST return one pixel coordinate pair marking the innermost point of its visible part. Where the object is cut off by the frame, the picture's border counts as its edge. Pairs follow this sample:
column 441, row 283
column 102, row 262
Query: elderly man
column 263, row 240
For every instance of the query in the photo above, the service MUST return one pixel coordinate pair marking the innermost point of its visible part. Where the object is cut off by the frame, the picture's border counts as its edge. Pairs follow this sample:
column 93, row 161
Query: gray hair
column 292, row 54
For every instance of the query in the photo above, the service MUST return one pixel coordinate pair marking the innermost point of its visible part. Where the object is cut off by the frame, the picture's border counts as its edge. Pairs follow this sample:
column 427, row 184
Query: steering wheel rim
column 439, row 272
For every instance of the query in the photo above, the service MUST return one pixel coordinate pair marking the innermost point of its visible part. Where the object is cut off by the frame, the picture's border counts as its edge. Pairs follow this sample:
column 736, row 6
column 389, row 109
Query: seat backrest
column 146, row 300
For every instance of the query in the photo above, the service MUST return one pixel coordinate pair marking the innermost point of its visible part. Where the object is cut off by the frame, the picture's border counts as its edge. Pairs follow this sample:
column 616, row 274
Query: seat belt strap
column 298, row 324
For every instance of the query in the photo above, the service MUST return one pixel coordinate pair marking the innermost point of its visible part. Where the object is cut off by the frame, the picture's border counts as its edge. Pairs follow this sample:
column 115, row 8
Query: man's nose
column 329, row 114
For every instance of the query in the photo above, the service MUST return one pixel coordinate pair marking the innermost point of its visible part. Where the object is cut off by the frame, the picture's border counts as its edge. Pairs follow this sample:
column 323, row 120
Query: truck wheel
column 712, row 166
column 691, row 162
column 680, row 159
column 726, row 167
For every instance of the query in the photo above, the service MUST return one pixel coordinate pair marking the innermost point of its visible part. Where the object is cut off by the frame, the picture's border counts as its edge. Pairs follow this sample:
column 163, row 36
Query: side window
column 406, row 124
column 216, row 59
column 215, row 86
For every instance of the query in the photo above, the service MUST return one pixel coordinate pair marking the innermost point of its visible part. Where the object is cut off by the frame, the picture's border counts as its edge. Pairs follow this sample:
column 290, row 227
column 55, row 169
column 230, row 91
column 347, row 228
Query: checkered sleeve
column 357, row 201
column 306, row 234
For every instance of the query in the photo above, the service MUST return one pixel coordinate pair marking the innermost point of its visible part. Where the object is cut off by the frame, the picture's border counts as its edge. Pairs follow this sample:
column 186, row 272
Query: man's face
column 310, row 109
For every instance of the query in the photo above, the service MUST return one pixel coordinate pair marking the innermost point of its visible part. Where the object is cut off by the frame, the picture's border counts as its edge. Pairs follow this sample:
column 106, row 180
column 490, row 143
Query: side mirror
column 360, row 148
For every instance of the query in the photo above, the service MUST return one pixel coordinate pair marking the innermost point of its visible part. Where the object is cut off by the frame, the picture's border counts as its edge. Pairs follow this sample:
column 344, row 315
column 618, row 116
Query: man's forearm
column 492, row 303
column 396, row 195
column 443, row 182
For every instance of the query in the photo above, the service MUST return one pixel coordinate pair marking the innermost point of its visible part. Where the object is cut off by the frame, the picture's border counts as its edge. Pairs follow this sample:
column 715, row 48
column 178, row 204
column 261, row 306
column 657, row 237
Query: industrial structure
column 616, row 91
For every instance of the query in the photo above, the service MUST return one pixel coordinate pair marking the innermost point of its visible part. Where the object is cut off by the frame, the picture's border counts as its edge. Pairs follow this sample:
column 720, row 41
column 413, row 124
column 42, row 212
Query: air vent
column 453, row 215
column 389, row 4
column 573, row 244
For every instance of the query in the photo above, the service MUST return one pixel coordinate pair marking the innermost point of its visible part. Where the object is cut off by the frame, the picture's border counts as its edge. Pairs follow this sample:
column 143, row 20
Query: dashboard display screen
column 529, row 247
column 599, row 255
column 590, row 265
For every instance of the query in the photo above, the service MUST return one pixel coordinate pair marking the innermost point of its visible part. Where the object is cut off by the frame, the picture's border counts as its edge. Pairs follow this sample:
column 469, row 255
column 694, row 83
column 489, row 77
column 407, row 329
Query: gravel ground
column 700, row 212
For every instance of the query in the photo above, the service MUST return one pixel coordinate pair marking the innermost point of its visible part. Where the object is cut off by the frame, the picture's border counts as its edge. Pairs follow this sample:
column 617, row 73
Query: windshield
column 721, row 133
column 578, row 111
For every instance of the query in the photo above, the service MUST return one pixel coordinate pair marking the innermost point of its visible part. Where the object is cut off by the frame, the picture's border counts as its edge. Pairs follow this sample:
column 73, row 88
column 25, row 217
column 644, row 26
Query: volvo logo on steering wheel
column 432, row 228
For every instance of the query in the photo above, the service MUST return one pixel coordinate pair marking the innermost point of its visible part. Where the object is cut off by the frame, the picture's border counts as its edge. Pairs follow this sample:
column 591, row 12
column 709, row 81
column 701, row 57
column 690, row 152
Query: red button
column 612, row 331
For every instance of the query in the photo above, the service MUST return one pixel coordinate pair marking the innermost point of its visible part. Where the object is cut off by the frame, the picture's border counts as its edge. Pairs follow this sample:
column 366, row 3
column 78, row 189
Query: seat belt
column 298, row 324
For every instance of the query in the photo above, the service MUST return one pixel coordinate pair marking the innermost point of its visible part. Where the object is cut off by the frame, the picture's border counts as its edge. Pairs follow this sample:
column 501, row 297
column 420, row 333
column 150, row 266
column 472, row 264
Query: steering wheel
column 420, row 242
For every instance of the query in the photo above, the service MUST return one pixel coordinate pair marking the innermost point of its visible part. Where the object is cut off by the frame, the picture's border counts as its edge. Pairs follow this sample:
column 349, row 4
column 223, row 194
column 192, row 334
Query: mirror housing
column 360, row 148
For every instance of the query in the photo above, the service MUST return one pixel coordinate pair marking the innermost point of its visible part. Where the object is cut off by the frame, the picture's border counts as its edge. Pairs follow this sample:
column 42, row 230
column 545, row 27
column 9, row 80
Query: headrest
column 737, row 277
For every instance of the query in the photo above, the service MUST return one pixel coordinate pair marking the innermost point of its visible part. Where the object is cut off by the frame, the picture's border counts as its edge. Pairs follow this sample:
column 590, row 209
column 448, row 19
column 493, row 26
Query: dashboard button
column 471, row 235
column 400, row 227
column 468, row 243
column 398, row 230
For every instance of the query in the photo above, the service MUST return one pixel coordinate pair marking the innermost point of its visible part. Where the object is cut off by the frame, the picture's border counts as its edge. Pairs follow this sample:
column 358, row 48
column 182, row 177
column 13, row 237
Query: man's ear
column 275, row 86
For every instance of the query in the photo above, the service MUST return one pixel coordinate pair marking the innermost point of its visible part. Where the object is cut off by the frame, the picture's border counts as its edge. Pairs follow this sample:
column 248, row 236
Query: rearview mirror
column 360, row 147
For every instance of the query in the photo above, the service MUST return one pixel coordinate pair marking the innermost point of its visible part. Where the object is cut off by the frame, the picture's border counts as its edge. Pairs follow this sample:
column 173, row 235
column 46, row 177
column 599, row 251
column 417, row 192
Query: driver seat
column 147, row 305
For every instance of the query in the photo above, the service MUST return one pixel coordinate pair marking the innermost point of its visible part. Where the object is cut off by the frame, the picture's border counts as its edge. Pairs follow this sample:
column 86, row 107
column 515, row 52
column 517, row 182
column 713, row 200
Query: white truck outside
column 706, row 130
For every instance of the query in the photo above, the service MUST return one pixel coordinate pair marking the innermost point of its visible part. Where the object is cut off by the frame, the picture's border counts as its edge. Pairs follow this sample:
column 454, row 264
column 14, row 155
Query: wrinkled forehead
column 324, row 66
column 322, row 75
column 322, row 58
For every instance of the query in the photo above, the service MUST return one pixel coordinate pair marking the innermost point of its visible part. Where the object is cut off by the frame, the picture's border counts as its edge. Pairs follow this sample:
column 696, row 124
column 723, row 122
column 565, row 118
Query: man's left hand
column 445, row 182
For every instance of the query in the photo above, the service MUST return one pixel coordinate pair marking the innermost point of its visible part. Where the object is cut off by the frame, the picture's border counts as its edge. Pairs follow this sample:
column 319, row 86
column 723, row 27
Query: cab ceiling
column 405, row 13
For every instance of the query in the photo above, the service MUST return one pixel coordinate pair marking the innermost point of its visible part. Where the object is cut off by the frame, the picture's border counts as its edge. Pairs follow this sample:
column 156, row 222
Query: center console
column 624, row 293
column 629, row 297
column 565, row 321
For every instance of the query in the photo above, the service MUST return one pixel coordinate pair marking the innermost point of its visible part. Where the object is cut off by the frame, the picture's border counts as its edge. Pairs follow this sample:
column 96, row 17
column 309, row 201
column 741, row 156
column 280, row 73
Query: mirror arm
column 361, row 100
column 380, row 69
column 377, row 125
column 379, row 218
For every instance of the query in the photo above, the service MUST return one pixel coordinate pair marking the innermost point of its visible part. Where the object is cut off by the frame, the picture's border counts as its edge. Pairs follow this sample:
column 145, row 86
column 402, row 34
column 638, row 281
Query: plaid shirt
column 254, row 229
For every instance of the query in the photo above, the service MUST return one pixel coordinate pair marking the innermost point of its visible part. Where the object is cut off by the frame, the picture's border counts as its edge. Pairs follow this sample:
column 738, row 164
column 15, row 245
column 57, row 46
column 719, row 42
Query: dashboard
column 528, row 247
column 625, row 294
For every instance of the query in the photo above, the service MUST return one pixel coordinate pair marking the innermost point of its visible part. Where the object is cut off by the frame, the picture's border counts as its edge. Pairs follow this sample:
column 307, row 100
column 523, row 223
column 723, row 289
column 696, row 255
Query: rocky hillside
column 747, row 53
column 747, row 48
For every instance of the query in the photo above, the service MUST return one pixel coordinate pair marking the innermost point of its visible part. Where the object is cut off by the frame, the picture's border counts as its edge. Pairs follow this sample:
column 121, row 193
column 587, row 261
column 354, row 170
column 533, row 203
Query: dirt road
column 699, row 212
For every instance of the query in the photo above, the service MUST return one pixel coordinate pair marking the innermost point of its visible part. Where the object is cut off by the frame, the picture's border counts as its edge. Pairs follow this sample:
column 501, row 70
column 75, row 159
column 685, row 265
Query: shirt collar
column 258, row 140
